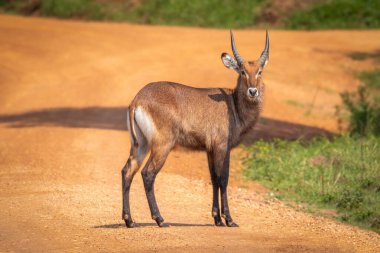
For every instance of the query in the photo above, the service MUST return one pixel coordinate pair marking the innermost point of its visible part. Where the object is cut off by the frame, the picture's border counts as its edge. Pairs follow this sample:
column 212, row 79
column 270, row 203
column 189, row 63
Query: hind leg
column 133, row 164
column 152, row 167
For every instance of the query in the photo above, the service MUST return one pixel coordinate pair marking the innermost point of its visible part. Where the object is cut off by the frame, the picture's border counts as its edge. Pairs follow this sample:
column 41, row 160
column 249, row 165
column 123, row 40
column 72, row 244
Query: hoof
column 218, row 222
column 232, row 224
column 160, row 222
column 130, row 223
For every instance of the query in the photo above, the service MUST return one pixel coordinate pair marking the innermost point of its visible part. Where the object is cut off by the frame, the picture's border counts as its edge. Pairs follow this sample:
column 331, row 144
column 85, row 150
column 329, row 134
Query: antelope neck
column 247, row 111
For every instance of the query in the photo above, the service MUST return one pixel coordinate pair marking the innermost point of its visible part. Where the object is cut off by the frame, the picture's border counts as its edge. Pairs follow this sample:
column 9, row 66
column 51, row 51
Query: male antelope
column 166, row 114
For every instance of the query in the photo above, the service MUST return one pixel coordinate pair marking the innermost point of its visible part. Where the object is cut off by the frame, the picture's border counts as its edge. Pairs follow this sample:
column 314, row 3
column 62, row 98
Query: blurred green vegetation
column 337, row 14
column 77, row 9
column 371, row 80
column 72, row 8
column 360, row 56
column 316, row 14
column 212, row 13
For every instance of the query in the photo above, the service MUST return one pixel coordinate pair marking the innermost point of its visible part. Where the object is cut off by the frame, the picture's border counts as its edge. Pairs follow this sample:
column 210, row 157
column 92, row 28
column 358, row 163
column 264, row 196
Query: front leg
column 225, row 209
column 215, row 212
column 222, row 168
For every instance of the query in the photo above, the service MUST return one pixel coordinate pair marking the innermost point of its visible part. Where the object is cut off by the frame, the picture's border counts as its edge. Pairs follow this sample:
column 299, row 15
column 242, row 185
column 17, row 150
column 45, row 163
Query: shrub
column 364, row 112
column 363, row 105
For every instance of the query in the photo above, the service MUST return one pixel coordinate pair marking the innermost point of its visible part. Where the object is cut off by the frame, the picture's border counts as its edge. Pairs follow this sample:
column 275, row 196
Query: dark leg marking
column 152, row 167
column 215, row 211
column 133, row 164
column 222, row 166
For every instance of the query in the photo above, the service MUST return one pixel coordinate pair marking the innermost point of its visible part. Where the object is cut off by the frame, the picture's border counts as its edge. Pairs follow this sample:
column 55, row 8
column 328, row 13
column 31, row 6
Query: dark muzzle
column 252, row 92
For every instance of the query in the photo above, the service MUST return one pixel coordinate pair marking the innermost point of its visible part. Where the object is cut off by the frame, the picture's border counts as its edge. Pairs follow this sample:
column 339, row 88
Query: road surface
column 64, row 87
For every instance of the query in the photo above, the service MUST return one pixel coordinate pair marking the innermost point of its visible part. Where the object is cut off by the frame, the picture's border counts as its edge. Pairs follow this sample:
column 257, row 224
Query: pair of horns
column 264, row 55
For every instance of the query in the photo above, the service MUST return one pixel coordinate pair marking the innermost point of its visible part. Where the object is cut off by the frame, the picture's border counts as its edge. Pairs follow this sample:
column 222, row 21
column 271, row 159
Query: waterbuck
column 166, row 114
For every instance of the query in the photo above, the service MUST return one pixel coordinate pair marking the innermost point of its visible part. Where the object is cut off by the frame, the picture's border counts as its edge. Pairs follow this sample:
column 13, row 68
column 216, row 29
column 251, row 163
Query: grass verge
column 342, row 174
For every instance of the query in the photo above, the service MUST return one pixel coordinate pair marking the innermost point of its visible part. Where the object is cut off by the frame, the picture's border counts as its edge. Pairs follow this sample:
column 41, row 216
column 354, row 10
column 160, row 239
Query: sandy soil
column 64, row 87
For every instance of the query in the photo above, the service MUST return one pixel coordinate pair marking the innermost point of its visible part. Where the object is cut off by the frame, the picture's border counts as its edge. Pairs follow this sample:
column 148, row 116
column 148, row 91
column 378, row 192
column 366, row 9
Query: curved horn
column 265, row 54
column 238, row 58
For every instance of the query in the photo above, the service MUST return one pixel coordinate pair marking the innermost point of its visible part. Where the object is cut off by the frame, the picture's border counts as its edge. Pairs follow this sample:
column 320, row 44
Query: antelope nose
column 252, row 92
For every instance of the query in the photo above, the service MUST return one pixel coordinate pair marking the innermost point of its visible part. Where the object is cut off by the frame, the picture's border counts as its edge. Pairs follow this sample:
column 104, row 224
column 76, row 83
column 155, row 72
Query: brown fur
column 209, row 119
column 198, row 118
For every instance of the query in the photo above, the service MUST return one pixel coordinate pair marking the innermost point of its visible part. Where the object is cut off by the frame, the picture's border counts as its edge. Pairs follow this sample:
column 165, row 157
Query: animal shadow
column 114, row 118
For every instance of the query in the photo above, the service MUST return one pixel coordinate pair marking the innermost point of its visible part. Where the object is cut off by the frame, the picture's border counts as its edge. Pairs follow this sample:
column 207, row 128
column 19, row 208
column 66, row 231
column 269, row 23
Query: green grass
column 342, row 174
column 337, row 14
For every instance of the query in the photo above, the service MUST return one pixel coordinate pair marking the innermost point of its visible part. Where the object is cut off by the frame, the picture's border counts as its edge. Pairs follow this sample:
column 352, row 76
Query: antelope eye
column 243, row 73
column 259, row 73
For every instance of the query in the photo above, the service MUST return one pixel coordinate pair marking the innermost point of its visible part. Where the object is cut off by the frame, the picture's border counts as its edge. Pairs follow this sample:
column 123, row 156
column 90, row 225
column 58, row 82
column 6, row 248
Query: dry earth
column 64, row 87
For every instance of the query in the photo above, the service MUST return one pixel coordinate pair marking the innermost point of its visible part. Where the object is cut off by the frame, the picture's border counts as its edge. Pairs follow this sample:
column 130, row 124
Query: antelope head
column 249, row 81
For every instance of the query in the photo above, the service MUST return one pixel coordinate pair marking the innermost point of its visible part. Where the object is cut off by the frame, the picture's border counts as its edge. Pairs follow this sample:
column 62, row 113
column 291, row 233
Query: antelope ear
column 229, row 62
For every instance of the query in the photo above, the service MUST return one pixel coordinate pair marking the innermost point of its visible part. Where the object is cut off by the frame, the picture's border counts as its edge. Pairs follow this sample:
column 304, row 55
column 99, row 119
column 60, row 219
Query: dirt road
column 64, row 87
